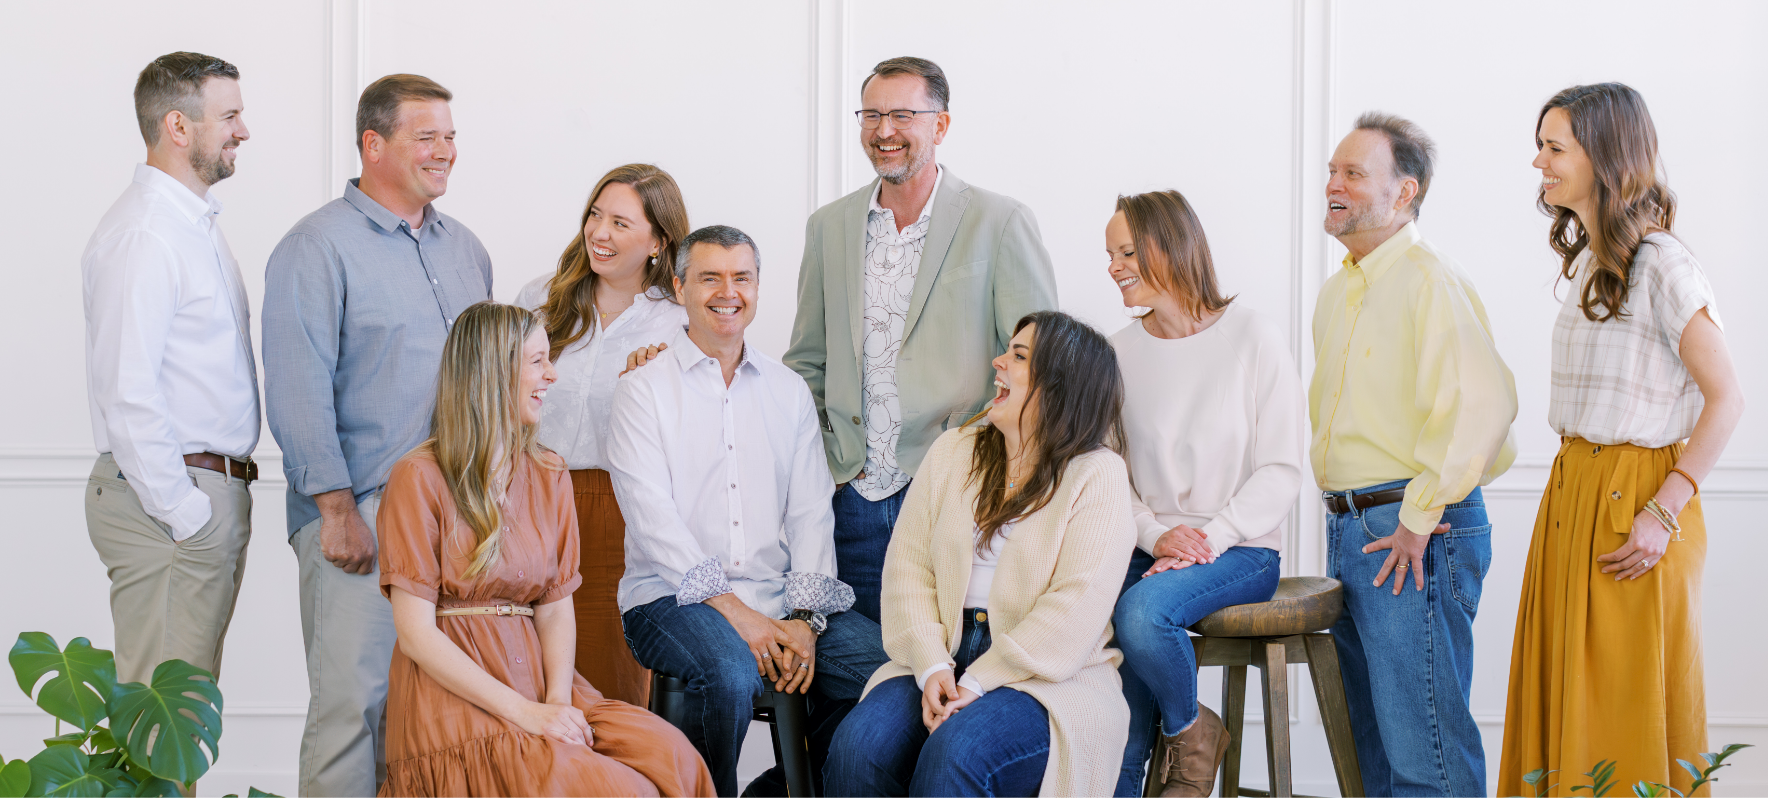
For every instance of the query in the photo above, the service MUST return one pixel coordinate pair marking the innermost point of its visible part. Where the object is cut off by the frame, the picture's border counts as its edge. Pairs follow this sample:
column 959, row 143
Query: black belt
column 1339, row 504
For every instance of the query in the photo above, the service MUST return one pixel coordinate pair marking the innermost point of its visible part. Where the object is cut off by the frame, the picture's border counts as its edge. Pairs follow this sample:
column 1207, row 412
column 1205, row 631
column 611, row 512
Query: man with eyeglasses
column 909, row 287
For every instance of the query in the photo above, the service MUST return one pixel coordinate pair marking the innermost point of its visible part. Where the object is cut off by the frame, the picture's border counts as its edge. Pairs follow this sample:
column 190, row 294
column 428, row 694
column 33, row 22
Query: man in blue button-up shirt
column 359, row 298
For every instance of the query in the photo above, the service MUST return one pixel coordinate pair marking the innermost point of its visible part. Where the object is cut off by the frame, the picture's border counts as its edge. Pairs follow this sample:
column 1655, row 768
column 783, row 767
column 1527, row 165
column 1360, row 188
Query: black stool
column 785, row 713
column 1290, row 628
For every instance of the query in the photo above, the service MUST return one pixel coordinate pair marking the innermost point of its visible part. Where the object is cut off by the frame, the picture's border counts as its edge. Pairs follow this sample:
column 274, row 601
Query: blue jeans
column 862, row 535
column 696, row 644
column 998, row 745
column 1159, row 666
column 1415, row 734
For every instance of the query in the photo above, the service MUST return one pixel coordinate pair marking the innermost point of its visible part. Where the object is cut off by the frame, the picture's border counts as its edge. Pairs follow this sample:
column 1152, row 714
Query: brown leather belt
column 240, row 469
column 1339, row 504
column 501, row 609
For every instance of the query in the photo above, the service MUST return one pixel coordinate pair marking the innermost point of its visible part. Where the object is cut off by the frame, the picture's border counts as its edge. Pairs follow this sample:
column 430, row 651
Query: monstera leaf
column 85, row 677
column 63, row 770
column 15, row 778
column 165, row 725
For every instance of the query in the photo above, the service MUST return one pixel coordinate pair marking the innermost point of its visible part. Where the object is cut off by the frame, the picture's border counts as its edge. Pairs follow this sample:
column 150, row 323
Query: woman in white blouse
column 1607, row 660
column 610, row 294
column 1215, row 429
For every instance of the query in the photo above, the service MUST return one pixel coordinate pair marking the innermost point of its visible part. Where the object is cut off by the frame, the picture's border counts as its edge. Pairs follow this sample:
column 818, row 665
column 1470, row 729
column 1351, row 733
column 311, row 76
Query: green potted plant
column 131, row 739
column 1602, row 777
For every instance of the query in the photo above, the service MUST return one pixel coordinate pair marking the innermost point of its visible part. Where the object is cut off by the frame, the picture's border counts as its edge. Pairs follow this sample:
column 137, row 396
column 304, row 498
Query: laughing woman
column 611, row 293
column 1215, row 431
column 478, row 553
column 998, row 590
column 1607, row 659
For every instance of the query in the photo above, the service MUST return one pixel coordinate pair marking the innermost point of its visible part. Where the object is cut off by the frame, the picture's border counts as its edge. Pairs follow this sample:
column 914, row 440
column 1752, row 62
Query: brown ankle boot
column 1186, row 764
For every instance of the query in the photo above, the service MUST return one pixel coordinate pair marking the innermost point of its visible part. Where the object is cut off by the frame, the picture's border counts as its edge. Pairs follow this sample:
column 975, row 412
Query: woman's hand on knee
column 1167, row 564
column 561, row 724
column 936, row 697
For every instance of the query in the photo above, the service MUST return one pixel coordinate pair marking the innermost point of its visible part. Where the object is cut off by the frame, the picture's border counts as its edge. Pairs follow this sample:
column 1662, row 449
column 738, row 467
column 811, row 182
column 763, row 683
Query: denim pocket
column 1470, row 556
column 1380, row 521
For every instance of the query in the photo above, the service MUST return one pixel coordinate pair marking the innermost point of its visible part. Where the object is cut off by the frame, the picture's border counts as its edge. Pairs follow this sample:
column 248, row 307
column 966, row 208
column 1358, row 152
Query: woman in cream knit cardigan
column 999, row 585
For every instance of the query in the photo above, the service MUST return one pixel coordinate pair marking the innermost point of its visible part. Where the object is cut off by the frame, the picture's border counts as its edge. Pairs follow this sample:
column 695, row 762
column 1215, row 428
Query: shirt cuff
column 1149, row 534
column 809, row 590
column 702, row 582
column 969, row 683
column 921, row 680
column 324, row 476
column 1420, row 522
column 189, row 516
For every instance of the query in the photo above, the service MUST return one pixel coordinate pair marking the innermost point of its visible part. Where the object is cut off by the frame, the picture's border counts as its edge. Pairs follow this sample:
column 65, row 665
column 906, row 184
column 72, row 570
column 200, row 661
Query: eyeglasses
column 899, row 119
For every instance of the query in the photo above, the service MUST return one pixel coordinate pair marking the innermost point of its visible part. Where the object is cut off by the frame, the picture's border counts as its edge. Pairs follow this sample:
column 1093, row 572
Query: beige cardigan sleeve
column 1097, row 539
column 911, row 594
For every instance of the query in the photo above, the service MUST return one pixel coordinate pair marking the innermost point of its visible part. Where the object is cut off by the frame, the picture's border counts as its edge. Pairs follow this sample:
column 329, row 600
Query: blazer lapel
column 853, row 266
column 948, row 213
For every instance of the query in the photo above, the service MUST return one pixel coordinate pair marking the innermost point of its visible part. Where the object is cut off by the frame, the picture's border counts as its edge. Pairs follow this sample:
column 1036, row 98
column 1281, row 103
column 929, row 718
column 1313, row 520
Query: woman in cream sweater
column 999, row 585
column 1216, row 433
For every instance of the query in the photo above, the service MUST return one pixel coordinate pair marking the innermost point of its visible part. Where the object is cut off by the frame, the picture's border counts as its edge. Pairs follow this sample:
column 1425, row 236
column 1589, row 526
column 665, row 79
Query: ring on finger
column 765, row 655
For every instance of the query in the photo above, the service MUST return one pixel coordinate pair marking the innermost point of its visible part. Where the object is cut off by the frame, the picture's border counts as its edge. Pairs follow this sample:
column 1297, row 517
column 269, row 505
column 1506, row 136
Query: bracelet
column 1663, row 516
column 1690, row 479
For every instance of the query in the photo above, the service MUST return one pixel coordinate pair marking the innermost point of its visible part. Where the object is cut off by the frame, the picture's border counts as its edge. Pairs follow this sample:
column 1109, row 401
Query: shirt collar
column 689, row 354
column 1376, row 263
column 378, row 213
column 189, row 205
column 926, row 210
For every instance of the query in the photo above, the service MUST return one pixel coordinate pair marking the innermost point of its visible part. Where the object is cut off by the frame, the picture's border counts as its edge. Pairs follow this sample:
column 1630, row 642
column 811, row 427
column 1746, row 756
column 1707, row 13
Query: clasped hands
column 784, row 651
column 941, row 698
column 558, row 720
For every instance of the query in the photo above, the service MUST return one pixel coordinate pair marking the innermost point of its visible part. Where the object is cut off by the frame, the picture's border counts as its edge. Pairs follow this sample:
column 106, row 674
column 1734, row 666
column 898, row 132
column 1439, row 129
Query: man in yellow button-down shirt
column 1411, row 408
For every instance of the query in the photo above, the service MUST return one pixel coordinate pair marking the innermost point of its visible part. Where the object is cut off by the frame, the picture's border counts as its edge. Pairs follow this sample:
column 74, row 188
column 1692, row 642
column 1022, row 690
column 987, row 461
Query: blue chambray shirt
column 356, row 309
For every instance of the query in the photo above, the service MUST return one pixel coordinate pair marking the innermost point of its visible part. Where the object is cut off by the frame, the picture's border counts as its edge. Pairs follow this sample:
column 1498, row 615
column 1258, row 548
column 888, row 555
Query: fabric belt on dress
column 1339, row 504
column 500, row 609
column 245, row 469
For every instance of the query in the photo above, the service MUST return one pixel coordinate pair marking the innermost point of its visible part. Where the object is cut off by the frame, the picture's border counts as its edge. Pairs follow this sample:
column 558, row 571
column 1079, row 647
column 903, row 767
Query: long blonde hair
column 477, row 435
column 570, row 299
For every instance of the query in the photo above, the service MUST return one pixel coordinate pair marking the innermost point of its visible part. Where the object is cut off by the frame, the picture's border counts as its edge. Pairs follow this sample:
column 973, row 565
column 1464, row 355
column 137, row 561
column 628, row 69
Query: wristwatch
column 816, row 620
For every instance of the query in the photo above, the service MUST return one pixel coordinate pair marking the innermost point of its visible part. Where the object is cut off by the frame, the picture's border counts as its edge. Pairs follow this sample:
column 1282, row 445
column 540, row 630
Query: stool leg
column 792, row 730
column 1234, row 717
column 1275, row 675
column 1334, row 712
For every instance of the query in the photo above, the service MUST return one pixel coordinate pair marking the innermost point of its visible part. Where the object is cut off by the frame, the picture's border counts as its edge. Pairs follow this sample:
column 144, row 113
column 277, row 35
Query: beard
column 904, row 172
column 1363, row 216
column 209, row 165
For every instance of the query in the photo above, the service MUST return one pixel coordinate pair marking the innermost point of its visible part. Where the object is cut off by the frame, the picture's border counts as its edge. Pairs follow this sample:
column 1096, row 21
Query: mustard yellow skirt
column 1604, row 669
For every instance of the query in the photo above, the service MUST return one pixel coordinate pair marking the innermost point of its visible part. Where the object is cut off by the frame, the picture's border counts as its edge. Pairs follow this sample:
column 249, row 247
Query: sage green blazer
column 983, row 267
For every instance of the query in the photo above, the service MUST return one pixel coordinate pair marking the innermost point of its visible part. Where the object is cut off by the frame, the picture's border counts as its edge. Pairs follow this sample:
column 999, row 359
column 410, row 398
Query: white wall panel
column 749, row 106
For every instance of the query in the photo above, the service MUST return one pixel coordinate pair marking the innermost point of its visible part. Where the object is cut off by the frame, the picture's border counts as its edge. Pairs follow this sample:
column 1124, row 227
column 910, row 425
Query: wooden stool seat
column 1271, row 636
column 785, row 713
column 1302, row 604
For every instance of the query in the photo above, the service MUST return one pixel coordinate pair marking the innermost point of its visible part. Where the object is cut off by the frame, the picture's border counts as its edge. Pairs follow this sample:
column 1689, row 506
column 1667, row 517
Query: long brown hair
column 570, row 298
column 1079, row 395
column 1611, row 123
column 1172, row 250
column 476, row 432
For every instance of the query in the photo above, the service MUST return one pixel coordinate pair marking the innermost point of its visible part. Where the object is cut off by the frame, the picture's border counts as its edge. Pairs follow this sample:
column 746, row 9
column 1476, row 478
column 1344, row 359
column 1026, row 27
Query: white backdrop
column 748, row 105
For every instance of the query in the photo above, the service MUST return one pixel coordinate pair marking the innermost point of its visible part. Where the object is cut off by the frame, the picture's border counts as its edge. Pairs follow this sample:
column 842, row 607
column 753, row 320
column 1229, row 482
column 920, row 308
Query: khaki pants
column 168, row 600
column 347, row 626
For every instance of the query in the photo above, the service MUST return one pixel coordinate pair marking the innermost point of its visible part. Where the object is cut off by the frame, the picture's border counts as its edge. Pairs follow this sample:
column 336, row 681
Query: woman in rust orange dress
column 479, row 555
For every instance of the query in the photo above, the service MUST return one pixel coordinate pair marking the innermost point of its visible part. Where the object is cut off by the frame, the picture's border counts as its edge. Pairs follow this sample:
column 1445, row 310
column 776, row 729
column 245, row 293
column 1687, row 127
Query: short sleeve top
column 1622, row 380
column 426, row 545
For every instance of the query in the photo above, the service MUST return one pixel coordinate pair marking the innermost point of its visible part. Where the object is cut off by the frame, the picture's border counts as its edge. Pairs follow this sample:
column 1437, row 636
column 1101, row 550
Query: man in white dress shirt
column 172, row 382
column 719, row 469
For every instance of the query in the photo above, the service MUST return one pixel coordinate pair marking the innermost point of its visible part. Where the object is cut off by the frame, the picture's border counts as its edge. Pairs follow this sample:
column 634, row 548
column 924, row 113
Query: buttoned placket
column 236, row 297
column 1356, row 289
column 734, row 498
column 429, row 273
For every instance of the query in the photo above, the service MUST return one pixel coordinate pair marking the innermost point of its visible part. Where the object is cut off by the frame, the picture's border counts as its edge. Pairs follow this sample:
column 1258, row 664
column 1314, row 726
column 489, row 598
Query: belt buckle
column 506, row 609
column 1331, row 506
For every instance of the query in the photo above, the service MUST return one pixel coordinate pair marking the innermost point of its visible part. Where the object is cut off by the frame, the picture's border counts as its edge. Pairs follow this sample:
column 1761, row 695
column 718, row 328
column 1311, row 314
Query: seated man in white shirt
column 718, row 467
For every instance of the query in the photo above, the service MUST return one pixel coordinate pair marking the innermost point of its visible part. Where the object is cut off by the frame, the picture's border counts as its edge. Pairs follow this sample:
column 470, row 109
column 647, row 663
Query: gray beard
column 209, row 165
column 917, row 161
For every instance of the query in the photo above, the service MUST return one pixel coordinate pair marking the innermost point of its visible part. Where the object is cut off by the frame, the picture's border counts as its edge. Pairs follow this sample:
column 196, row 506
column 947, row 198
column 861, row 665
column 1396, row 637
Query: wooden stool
column 1290, row 628
column 784, row 713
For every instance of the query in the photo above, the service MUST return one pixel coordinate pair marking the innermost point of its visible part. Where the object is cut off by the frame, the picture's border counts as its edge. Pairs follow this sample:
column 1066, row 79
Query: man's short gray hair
column 174, row 82
column 1414, row 152
column 724, row 236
